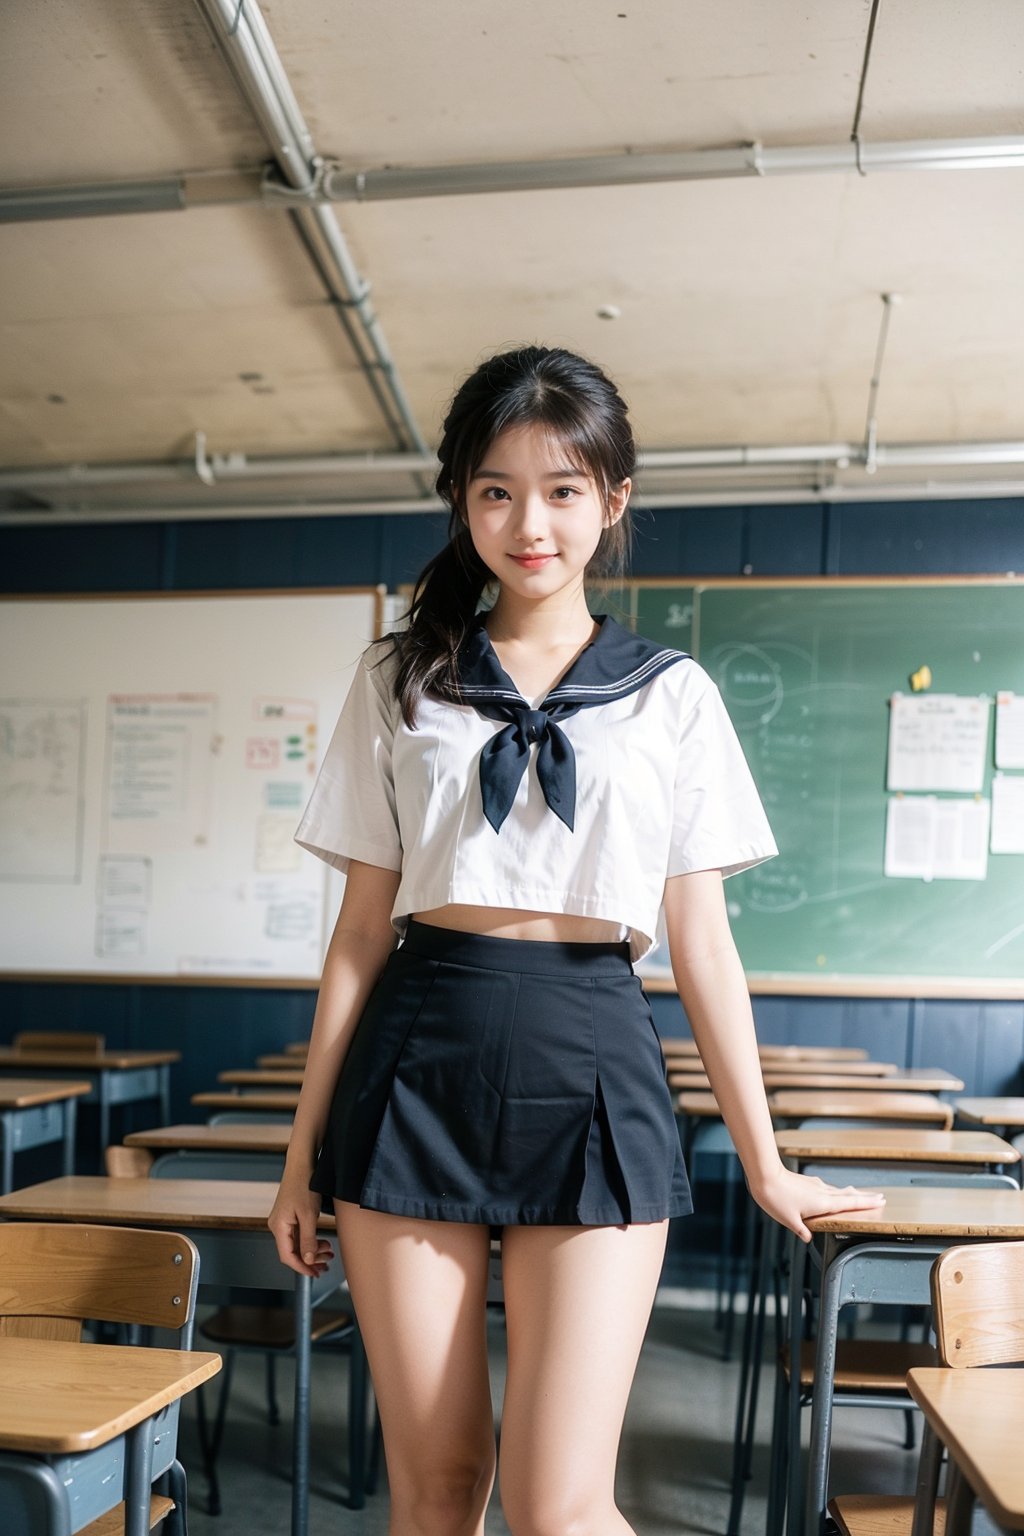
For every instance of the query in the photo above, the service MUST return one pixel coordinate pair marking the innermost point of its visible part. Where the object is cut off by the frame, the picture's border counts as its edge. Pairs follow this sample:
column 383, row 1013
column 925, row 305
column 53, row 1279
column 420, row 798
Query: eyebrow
column 499, row 474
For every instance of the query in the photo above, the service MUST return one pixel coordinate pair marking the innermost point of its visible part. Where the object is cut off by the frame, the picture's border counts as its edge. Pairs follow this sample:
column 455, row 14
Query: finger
column 308, row 1240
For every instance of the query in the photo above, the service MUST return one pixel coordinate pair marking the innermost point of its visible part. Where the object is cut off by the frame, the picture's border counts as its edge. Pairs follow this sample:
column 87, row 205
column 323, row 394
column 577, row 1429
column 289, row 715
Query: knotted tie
column 504, row 759
column 614, row 665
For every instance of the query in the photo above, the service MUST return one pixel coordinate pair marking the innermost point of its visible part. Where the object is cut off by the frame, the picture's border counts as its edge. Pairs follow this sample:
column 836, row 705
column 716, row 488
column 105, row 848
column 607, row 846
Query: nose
column 532, row 521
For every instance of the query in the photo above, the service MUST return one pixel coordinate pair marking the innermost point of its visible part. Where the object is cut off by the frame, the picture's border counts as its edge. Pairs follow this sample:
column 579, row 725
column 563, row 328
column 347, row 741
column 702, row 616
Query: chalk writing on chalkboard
column 41, row 746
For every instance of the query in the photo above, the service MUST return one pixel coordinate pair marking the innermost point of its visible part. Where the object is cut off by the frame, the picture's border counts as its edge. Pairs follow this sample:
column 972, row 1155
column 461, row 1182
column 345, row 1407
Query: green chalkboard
column 807, row 671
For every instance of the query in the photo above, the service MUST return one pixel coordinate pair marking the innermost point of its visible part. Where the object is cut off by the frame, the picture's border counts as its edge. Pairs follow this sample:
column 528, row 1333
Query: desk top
column 992, row 1111
column 700, row 1105
column 221, row 1138
column 913, row 1079
column 86, row 1061
column 896, row 1145
column 186, row 1204
column 24, row 1092
column 63, row 1397
column 266, row 1077
column 290, row 1061
column 805, row 1066
column 929, row 1212
column 266, row 1100
column 841, row 1104
column 978, row 1416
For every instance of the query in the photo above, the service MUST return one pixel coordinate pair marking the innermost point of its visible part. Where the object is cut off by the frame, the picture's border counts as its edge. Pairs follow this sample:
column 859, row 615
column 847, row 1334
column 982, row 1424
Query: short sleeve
column 352, row 812
column 718, row 820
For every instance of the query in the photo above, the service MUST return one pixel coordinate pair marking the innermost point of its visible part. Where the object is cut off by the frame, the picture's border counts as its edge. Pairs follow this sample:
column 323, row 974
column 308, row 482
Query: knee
column 445, row 1499
column 543, row 1512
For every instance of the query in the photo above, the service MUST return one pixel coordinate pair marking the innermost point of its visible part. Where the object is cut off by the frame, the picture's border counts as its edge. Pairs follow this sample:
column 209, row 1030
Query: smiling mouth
column 531, row 560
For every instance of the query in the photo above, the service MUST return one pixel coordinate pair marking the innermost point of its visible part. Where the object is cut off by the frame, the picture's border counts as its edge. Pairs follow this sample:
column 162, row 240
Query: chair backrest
column 55, row 1275
column 127, row 1162
column 60, row 1040
column 250, row 1117
column 880, row 1175
column 978, row 1304
column 266, row 1167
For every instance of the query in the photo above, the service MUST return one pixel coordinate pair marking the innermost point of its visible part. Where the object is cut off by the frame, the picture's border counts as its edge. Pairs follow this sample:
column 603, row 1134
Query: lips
column 531, row 562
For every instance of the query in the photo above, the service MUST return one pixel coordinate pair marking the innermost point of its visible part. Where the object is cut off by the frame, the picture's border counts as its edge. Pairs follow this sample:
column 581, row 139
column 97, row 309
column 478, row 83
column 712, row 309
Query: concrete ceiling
column 749, row 310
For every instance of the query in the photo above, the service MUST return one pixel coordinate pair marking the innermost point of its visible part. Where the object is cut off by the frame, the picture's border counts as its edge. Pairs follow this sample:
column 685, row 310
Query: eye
column 566, row 492
column 494, row 493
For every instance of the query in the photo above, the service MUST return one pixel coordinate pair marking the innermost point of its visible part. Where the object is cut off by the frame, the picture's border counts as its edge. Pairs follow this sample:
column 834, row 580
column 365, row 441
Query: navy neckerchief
column 614, row 665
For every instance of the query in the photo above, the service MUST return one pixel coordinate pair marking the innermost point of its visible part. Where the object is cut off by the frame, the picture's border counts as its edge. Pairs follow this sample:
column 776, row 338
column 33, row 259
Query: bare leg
column 420, row 1290
column 577, row 1302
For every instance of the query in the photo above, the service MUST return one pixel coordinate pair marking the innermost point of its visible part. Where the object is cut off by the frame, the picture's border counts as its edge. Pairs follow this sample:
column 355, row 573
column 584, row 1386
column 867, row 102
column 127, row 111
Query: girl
column 515, row 794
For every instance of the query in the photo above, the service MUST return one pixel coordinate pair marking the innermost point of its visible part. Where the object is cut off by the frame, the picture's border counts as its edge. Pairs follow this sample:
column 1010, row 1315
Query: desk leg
column 70, row 1120
column 750, row 1370
column 104, row 1089
column 300, row 1442
column 139, row 1480
column 794, row 1318
column 823, row 1393
column 7, row 1152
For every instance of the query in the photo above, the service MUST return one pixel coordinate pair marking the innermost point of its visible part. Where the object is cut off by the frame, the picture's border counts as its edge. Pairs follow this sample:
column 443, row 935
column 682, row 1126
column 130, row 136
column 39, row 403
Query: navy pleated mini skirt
column 509, row 1082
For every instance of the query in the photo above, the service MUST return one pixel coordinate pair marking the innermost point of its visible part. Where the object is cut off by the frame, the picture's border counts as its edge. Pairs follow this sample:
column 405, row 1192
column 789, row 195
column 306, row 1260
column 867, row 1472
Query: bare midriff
column 511, row 923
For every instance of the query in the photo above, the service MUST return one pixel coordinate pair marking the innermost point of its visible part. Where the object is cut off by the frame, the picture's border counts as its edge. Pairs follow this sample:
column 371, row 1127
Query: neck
column 563, row 620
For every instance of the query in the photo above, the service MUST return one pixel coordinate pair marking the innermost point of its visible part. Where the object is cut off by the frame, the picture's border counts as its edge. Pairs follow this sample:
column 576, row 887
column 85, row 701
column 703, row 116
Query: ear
column 618, row 497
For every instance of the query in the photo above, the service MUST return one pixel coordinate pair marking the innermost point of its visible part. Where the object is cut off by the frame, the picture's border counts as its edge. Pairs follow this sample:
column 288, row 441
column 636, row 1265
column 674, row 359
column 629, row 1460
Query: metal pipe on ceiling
column 330, row 181
column 242, row 36
column 795, row 495
column 239, row 467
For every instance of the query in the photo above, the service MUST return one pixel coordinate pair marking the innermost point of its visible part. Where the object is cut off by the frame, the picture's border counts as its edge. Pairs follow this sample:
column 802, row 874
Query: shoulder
column 379, row 664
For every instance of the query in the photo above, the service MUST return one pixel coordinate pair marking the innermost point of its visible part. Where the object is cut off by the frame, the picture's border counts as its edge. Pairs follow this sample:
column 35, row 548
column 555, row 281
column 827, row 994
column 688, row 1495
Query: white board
column 155, row 756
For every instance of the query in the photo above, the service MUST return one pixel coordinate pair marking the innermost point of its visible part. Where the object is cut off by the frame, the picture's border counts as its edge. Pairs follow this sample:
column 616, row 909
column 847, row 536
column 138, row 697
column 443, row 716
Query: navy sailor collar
column 614, row 665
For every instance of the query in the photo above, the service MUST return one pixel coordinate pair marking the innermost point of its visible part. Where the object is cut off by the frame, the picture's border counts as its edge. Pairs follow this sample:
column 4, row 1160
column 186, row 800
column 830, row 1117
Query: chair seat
column 273, row 1327
column 878, row 1514
column 112, row 1523
column 866, row 1365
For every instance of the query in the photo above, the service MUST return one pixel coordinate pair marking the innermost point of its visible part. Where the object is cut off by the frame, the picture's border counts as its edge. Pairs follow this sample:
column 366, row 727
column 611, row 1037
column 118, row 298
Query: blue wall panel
column 221, row 1027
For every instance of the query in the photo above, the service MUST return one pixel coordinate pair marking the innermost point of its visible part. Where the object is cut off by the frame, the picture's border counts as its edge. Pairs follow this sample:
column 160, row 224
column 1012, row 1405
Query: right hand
column 293, row 1221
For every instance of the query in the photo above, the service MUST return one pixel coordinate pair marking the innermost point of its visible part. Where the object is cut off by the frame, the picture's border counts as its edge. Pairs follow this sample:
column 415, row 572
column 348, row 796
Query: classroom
column 250, row 251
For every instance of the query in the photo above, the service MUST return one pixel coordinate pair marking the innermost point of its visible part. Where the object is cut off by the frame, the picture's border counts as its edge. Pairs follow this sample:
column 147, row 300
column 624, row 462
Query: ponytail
column 443, row 606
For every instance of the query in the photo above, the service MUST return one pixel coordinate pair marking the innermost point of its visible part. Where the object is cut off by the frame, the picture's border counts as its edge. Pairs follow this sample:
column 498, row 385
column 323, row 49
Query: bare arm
column 714, row 993
column 362, row 940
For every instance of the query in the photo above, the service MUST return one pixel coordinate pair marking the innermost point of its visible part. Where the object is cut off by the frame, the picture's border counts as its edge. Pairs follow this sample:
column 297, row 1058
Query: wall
column 221, row 1027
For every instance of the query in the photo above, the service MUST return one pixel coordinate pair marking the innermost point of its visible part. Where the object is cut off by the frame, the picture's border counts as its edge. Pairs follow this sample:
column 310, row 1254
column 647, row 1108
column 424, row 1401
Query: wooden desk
column 33, row 1112
column 809, row 1075
column 227, row 1221
column 978, row 1415
column 268, row 1100
column 898, row 1145
column 72, row 1403
column 262, row 1077
column 1008, row 1113
column 215, row 1138
column 886, row 1253
column 910, row 1080
column 808, row 1066
column 115, row 1077
column 288, row 1061
column 839, row 1104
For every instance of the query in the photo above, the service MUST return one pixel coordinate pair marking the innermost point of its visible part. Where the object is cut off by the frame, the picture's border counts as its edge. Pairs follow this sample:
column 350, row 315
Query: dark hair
column 545, row 386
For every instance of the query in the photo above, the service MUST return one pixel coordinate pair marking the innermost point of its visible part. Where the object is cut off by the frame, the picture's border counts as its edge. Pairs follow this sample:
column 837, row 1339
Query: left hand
column 792, row 1198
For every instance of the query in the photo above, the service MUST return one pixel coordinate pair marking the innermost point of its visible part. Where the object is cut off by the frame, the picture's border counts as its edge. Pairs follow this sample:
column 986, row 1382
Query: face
column 535, row 520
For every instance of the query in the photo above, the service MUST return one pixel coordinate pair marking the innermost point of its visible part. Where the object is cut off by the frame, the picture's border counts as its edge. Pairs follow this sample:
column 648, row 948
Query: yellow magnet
column 921, row 679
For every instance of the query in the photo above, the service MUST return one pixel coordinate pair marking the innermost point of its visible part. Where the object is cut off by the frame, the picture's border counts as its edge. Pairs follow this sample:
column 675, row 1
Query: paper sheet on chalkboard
column 1009, row 730
column 931, row 839
column 937, row 741
column 41, row 751
column 1007, row 813
column 159, row 765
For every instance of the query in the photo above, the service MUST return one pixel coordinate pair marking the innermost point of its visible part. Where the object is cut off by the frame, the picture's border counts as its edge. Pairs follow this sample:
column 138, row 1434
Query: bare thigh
column 420, row 1291
column 577, row 1304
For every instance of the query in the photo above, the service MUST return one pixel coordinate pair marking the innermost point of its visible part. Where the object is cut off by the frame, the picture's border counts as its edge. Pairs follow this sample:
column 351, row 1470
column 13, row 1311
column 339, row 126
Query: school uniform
column 509, row 1081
